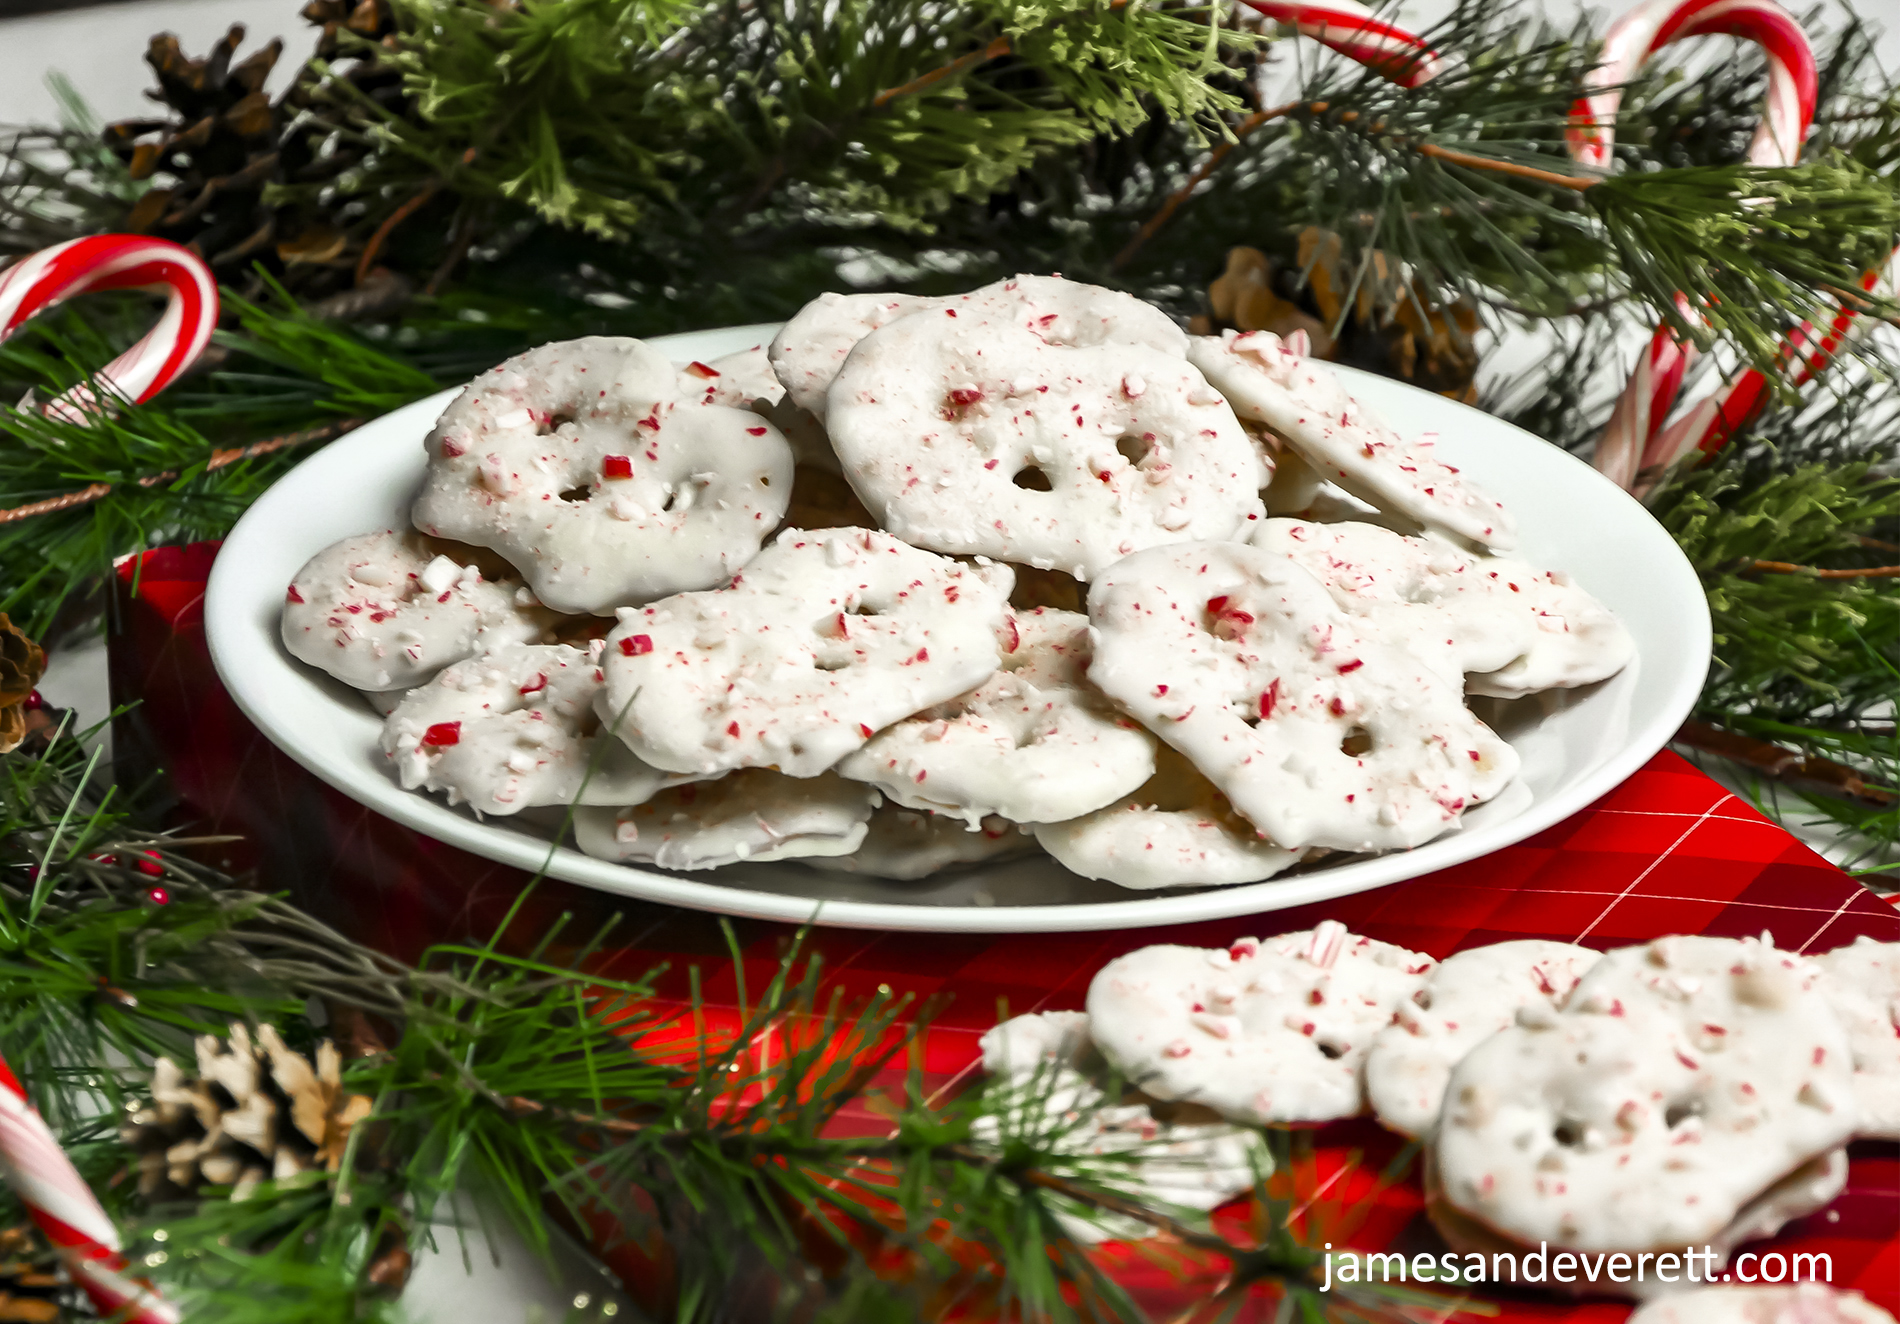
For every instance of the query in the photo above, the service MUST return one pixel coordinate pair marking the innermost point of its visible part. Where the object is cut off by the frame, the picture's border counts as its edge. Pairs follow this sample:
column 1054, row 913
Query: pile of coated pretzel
column 937, row 581
column 1689, row 1093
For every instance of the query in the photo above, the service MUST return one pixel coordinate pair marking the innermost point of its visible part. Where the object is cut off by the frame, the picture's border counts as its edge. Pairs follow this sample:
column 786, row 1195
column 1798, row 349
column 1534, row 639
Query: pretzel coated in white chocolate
column 1301, row 400
column 753, row 815
column 512, row 729
column 381, row 611
column 1034, row 743
column 580, row 463
column 1267, row 1030
column 1681, row 1081
column 1319, row 729
column 821, row 641
column 975, row 430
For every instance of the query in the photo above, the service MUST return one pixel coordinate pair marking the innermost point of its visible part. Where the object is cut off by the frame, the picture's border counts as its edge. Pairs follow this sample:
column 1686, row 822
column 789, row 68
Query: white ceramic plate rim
column 241, row 630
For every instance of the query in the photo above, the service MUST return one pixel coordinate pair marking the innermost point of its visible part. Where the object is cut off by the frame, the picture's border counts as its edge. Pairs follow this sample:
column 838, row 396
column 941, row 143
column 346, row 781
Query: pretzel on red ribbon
column 57, row 1198
column 1639, row 443
column 1356, row 32
column 119, row 262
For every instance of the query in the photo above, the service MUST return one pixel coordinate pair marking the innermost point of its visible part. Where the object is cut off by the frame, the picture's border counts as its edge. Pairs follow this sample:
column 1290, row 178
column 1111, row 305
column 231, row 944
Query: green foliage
column 595, row 114
column 561, row 1094
column 1758, row 246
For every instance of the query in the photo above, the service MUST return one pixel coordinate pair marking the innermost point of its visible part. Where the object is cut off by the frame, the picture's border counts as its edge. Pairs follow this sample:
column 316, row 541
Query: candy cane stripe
column 116, row 262
column 65, row 1209
column 1354, row 31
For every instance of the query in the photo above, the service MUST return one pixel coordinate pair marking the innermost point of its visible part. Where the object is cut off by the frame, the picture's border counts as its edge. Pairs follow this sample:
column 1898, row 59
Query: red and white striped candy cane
column 64, row 1208
column 1638, row 439
column 119, row 262
column 1355, row 31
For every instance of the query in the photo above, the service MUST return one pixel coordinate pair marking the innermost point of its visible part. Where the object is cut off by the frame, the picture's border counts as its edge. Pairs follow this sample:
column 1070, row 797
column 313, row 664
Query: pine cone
column 22, row 663
column 32, row 1288
column 256, row 1111
column 236, row 177
column 1395, row 327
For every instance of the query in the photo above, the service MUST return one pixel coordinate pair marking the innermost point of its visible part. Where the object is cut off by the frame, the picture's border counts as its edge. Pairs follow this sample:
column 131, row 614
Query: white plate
column 1575, row 745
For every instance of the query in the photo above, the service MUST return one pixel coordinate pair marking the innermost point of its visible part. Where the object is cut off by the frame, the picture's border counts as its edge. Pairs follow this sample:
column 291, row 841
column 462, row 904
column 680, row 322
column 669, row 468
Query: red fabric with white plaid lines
column 1669, row 851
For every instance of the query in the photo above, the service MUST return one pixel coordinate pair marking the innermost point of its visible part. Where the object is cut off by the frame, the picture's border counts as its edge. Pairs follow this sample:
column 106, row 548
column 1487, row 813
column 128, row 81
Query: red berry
column 442, row 735
column 634, row 645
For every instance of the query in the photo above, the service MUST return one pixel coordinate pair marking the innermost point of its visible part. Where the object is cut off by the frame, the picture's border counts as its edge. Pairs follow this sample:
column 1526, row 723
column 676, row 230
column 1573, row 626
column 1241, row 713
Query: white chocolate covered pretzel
column 1319, row 729
column 381, row 611
column 741, row 380
column 1681, row 1082
column 1034, row 743
column 579, row 462
column 966, row 431
column 809, row 350
column 1423, row 591
column 1175, row 830
column 1268, row 1030
column 1465, row 1000
column 1804, row 1303
column 513, row 729
column 823, row 639
column 907, row 844
column 1048, row 1079
column 753, row 815
column 1301, row 400
column 1862, row 984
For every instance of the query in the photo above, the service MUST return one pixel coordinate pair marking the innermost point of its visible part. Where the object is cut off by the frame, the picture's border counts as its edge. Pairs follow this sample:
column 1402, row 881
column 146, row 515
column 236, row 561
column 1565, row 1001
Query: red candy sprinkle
column 865, row 731
column 635, row 645
column 732, row 729
column 755, row 432
column 442, row 735
column 1353, row 665
column 537, row 684
column 452, row 448
column 1269, row 699
column 965, row 395
column 699, row 369
column 293, row 595
column 616, row 466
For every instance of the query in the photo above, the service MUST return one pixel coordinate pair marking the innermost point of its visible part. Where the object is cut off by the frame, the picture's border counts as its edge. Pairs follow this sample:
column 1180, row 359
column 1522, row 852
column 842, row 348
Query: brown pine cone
column 22, row 663
column 1364, row 312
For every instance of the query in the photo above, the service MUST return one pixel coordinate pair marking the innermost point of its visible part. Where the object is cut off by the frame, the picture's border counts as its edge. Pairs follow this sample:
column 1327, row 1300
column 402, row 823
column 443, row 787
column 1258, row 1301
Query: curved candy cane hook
column 59, row 1201
column 1638, row 443
column 1356, row 32
column 118, row 262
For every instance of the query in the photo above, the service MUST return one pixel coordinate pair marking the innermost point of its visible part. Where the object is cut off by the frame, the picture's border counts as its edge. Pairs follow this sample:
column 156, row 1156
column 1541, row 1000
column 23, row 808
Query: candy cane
column 118, row 262
column 1638, row 440
column 1356, row 32
column 64, row 1208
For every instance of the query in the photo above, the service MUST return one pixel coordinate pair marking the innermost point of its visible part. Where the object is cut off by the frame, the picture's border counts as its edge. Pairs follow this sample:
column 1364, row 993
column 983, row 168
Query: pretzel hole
column 1032, row 479
column 577, row 494
column 1568, row 1133
column 1332, row 1051
column 1133, row 449
column 1681, row 1111
column 862, row 609
column 829, row 663
column 553, row 422
column 672, row 499
column 1358, row 741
